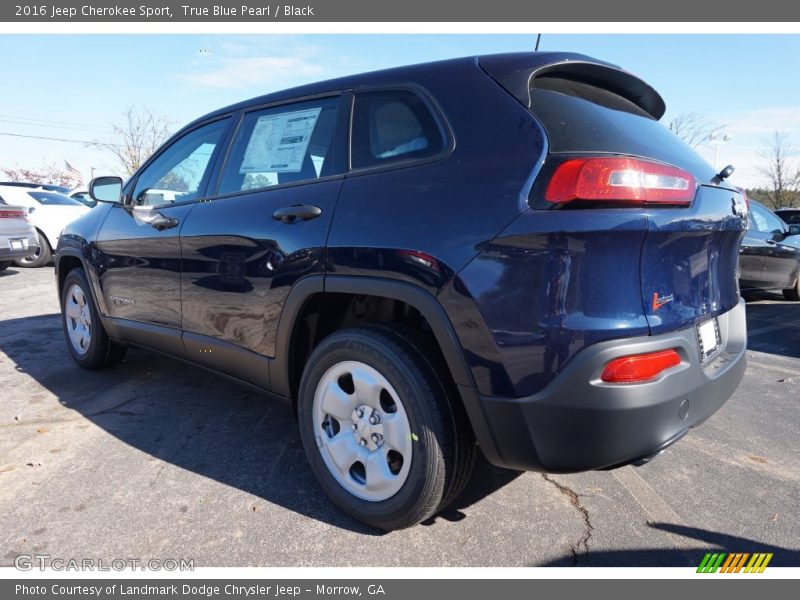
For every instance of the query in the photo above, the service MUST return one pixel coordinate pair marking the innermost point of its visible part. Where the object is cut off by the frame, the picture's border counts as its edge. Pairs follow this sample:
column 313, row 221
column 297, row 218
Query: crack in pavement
column 575, row 500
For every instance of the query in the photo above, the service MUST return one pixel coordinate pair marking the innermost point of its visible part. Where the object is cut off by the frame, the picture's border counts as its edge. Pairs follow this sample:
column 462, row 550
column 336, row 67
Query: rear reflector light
column 620, row 180
column 13, row 214
column 639, row 367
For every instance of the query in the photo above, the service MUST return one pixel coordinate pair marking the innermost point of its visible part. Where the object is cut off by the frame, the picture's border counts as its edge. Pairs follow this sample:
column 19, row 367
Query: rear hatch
column 609, row 152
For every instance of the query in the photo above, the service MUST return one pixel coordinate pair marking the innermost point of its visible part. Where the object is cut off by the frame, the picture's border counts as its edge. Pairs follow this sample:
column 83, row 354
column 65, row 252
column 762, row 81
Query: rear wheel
column 4, row 264
column 378, row 428
column 87, row 341
column 42, row 257
column 793, row 293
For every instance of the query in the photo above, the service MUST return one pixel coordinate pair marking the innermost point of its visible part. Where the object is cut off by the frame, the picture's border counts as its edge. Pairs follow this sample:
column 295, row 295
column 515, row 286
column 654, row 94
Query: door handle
column 290, row 214
column 773, row 242
column 155, row 219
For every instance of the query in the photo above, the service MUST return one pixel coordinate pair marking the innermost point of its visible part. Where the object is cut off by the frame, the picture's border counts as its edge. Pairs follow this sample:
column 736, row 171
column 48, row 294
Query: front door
column 265, row 228
column 139, row 254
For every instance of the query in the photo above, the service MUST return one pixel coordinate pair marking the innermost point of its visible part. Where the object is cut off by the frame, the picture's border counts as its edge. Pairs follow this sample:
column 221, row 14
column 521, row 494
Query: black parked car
column 509, row 249
column 769, row 258
column 790, row 216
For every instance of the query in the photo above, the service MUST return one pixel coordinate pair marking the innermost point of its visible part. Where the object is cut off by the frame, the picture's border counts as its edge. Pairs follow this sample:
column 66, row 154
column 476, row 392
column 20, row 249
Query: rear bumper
column 579, row 423
column 6, row 253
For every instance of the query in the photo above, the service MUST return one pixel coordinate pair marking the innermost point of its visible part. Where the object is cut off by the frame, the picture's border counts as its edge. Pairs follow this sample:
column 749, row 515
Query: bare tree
column 781, row 169
column 693, row 128
column 47, row 173
column 136, row 137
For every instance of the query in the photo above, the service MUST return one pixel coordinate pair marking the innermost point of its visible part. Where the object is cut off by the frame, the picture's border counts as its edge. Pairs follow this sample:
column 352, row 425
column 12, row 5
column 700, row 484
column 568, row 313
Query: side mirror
column 106, row 189
column 793, row 230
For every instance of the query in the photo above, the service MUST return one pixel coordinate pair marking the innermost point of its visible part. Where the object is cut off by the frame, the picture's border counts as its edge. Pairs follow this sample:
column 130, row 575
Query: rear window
column 53, row 199
column 790, row 216
column 583, row 118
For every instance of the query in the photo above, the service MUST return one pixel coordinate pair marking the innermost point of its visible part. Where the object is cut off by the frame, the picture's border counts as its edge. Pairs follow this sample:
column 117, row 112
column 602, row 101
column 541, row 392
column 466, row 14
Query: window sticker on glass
column 279, row 142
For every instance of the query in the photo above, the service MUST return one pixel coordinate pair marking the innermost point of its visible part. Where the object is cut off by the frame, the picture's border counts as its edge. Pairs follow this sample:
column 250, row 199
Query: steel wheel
column 362, row 431
column 78, row 319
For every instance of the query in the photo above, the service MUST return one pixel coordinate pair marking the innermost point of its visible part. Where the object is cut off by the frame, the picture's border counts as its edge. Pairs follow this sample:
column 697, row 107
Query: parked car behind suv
column 17, row 235
column 790, row 216
column 509, row 249
column 49, row 212
column 770, row 254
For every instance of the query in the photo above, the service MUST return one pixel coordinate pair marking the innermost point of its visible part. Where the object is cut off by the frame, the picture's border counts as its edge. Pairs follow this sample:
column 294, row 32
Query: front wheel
column 379, row 429
column 87, row 340
column 4, row 264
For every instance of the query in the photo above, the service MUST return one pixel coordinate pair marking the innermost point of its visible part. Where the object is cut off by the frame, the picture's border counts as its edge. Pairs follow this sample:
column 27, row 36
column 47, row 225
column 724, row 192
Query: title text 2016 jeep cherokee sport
column 506, row 251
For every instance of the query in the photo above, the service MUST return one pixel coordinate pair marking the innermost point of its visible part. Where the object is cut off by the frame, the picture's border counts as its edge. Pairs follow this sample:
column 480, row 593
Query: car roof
column 511, row 62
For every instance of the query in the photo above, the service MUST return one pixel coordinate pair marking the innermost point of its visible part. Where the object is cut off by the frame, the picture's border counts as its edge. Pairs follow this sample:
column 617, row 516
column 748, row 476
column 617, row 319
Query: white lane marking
column 652, row 504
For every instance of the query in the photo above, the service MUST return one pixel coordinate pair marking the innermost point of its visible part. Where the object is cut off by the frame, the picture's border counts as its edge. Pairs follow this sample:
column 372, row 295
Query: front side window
column 284, row 144
column 179, row 172
column 390, row 126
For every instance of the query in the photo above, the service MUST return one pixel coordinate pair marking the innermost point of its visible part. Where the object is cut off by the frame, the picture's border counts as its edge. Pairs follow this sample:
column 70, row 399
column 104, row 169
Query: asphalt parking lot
column 157, row 459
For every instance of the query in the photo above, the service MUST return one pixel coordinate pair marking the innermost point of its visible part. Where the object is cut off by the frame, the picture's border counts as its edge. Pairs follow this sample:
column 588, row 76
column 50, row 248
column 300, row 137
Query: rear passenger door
column 263, row 228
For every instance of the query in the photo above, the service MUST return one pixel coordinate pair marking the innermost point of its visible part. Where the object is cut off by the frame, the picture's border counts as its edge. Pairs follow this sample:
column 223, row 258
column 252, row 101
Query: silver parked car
column 17, row 236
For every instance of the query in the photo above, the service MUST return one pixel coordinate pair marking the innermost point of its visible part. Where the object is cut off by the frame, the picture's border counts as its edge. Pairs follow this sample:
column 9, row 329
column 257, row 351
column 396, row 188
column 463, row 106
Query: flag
column 72, row 170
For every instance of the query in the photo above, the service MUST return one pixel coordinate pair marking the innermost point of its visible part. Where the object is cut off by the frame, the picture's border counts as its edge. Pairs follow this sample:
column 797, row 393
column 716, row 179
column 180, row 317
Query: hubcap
column 362, row 431
column 35, row 256
column 78, row 319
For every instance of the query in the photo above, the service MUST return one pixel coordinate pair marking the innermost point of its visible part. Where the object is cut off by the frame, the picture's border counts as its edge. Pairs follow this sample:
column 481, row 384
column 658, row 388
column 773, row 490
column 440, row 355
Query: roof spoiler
column 515, row 72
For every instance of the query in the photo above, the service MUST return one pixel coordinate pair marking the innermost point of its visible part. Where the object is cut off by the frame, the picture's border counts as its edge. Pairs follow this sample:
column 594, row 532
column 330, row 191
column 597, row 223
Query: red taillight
column 13, row 214
column 620, row 180
column 639, row 367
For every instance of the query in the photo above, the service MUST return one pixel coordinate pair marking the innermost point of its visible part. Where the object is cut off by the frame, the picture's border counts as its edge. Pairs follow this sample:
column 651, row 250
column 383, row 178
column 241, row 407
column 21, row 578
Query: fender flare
column 411, row 294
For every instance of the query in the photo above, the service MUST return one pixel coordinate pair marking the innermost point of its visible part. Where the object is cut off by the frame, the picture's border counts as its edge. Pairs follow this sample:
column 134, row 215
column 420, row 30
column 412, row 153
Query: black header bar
column 465, row 11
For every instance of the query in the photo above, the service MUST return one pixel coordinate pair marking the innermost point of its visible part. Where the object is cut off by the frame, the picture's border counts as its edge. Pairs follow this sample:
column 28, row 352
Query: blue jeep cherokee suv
column 506, row 251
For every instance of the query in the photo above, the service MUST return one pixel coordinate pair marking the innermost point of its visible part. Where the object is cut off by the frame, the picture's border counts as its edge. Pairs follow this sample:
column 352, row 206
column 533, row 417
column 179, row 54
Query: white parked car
column 48, row 212
column 17, row 236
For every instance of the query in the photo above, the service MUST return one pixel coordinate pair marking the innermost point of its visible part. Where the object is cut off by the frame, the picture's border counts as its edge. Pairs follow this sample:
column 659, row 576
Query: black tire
column 4, row 264
column 101, row 351
column 443, row 445
column 793, row 293
column 42, row 257
column 467, row 449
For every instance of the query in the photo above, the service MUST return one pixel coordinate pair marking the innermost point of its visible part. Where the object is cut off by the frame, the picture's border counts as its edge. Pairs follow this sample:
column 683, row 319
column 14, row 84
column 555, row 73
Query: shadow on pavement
column 197, row 421
column 773, row 328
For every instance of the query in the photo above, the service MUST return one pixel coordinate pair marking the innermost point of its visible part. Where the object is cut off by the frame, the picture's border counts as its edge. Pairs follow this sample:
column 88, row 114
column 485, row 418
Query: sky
column 75, row 86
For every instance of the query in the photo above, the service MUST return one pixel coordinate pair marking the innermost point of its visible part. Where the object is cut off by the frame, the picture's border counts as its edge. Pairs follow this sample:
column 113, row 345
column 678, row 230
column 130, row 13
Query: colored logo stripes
column 735, row 562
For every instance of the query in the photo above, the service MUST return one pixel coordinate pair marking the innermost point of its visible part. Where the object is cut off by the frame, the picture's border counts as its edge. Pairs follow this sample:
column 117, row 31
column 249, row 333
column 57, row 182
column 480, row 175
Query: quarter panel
column 421, row 223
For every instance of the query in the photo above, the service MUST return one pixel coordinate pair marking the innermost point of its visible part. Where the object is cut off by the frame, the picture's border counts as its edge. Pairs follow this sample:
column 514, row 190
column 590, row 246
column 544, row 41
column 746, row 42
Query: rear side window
column 393, row 126
column 285, row 144
column 583, row 118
